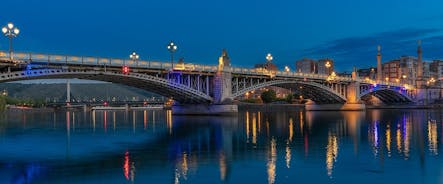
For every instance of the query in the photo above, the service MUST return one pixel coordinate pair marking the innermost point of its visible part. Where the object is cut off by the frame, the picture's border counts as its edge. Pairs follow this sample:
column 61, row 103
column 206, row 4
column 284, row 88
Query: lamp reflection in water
column 373, row 137
column 169, row 120
column 432, row 137
column 272, row 160
column 288, row 144
column 331, row 153
column 128, row 168
column 254, row 129
column 223, row 166
column 247, row 126
column 388, row 139
column 181, row 168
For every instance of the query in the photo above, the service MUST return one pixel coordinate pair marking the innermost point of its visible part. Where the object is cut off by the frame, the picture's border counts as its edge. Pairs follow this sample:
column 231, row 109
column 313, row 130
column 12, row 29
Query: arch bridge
column 190, row 83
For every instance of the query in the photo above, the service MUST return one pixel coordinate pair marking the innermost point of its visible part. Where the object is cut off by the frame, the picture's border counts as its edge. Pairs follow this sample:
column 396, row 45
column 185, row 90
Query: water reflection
column 291, row 146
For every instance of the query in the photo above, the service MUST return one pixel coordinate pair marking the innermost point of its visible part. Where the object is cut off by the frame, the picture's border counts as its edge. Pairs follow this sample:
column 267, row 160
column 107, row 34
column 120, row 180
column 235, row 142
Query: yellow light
column 4, row 30
column 16, row 31
column 10, row 25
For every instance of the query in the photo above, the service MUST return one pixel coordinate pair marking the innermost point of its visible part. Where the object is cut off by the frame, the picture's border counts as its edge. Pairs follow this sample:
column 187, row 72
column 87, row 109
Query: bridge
column 189, row 83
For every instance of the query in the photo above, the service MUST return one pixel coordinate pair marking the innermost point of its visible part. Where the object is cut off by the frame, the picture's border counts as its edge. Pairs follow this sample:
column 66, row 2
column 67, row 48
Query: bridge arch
column 164, row 87
column 387, row 95
column 310, row 90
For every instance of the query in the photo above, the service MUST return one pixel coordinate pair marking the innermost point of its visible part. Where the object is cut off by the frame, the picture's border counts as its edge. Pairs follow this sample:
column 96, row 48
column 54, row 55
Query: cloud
column 361, row 51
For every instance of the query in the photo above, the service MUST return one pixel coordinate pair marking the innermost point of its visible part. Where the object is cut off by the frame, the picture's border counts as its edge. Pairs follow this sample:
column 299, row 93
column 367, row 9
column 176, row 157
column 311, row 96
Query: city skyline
column 248, row 30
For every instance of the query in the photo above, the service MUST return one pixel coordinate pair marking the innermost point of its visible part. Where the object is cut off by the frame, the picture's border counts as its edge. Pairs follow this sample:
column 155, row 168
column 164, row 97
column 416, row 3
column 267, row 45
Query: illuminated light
column 10, row 25
column 125, row 69
column 247, row 126
column 269, row 57
column 4, row 30
column 288, row 155
column 105, row 103
column 398, row 139
column 254, row 129
column 432, row 137
column 375, row 85
column 223, row 166
column 291, row 129
column 331, row 153
column 16, row 31
column 271, row 165
column 126, row 166
column 388, row 140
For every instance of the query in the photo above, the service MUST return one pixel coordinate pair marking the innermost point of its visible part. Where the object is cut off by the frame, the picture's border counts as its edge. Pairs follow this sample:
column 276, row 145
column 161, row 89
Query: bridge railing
column 100, row 61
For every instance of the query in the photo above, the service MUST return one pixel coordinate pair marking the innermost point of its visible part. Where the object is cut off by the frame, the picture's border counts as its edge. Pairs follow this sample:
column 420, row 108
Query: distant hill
column 83, row 92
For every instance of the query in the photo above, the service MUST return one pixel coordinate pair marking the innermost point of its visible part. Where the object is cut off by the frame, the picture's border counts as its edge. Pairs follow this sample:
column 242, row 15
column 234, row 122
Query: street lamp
column 10, row 31
column 429, row 83
column 287, row 69
column 328, row 65
column 172, row 48
column 404, row 78
column 134, row 56
column 269, row 57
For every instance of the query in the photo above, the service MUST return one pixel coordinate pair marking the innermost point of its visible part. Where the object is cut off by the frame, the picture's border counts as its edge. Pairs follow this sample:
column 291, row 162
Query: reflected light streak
column 291, row 129
column 169, row 120
column 254, row 129
column 247, row 126
column 407, row 138
column 105, row 120
column 259, row 121
column 93, row 120
column 145, row 119
column 301, row 122
column 432, row 137
column 133, row 121
column 271, row 165
column 331, row 153
column 126, row 166
column 288, row 155
column 114, row 119
column 223, row 167
column 398, row 138
column 388, row 140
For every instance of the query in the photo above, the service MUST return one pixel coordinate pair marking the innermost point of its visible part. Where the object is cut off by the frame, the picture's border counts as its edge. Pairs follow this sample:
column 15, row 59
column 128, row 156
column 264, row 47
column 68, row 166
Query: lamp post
column 428, row 85
column 10, row 31
column 328, row 65
column 403, row 78
column 134, row 56
column 269, row 57
column 287, row 69
column 172, row 48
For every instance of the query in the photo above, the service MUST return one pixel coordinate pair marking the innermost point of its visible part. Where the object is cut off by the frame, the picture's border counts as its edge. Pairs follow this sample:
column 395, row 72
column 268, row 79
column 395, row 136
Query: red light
column 105, row 103
column 125, row 69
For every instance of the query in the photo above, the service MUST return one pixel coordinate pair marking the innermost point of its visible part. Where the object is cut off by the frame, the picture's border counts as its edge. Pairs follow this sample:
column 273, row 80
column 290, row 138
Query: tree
column 289, row 98
column 268, row 96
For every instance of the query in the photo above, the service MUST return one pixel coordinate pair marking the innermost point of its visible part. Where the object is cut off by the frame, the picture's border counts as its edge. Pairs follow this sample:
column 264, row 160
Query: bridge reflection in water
column 255, row 146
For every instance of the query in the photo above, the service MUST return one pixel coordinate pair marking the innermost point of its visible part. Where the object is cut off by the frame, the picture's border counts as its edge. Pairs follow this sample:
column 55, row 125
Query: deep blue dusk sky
column 346, row 30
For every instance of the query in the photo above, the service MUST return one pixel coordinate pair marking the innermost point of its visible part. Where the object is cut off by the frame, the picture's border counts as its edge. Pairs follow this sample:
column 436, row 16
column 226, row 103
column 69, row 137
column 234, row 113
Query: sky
column 347, row 31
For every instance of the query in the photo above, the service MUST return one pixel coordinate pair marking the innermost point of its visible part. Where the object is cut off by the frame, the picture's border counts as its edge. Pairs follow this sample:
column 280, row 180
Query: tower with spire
column 419, row 80
column 379, row 67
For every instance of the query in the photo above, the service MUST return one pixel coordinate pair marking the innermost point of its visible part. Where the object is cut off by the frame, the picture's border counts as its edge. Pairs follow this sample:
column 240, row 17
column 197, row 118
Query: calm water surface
column 376, row 146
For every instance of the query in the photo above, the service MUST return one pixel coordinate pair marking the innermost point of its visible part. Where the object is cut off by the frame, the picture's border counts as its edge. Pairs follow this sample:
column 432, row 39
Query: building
column 325, row 66
column 367, row 73
column 268, row 66
column 322, row 66
column 305, row 65
column 391, row 70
